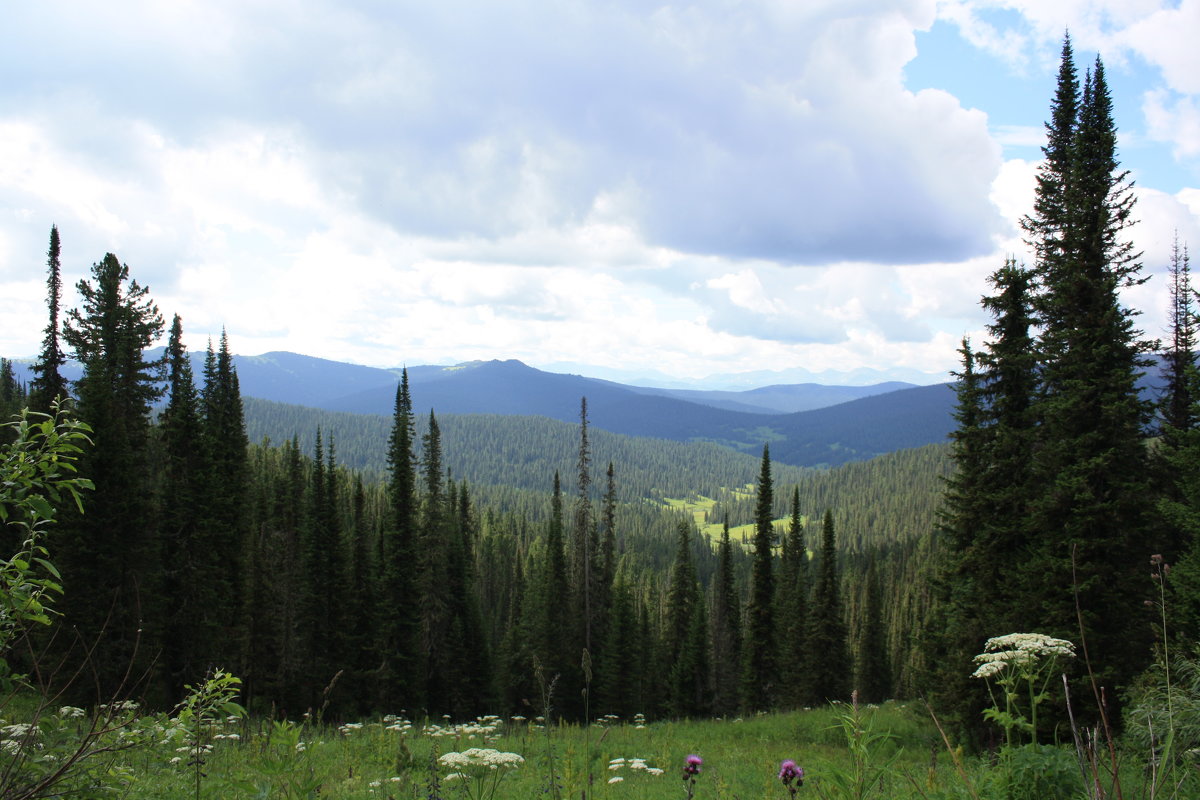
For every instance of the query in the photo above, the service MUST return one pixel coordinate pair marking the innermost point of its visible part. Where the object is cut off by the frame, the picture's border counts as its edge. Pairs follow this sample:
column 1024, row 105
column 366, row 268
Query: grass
column 701, row 507
column 741, row 758
column 903, row 758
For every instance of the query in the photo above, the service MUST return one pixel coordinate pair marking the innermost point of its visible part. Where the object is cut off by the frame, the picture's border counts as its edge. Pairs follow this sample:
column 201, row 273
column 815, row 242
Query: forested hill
column 522, row 452
column 863, row 422
column 849, row 431
column 507, row 459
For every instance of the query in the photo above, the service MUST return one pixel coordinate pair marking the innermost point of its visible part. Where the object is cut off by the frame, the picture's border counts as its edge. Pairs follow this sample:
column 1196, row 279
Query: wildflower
column 791, row 775
column 615, row 779
column 70, row 712
column 691, row 768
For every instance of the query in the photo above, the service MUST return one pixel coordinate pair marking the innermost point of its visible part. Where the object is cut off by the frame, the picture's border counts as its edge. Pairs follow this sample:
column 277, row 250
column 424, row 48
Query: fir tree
column 585, row 545
column 360, row 615
column 872, row 668
column 190, row 575
column 686, row 643
column 551, row 620
column 759, row 667
column 111, row 553
column 1174, row 458
column 1092, row 467
column 726, row 621
column 400, row 630
column 225, row 444
column 49, row 384
column 828, row 673
column 620, row 691
column 1177, row 408
column 793, row 608
column 435, row 536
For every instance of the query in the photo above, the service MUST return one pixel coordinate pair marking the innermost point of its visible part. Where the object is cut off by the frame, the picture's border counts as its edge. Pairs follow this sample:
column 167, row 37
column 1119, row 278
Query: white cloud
column 695, row 188
column 1175, row 120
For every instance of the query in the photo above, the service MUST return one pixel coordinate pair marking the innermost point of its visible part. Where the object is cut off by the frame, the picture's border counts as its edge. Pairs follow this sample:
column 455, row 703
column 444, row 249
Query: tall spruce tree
column 686, row 642
column 325, row 574
column 793, row 608
column 225, row 443
column 400, row 629
column 585, row 566
column 828, row 673
column 435, row 536
column 1092, row 466
column 759, row 662
column 190, row 575
column 550, row 614
column 726, row 620
column 111, row 553
column 49, row 385
column 1178, row 412
column 1177, row 407
column 872, row 665
column 466, row 666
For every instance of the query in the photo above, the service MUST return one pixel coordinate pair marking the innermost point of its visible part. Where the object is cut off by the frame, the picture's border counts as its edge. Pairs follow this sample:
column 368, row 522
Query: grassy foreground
column 893, row 751
column 393, row 758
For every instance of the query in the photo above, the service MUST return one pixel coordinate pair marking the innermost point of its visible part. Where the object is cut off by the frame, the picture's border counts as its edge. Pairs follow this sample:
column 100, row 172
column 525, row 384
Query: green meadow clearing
column 891, row 751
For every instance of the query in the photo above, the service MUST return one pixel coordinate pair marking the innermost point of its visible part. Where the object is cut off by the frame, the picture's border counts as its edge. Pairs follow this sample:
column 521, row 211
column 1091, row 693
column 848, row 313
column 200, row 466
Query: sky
column 722, row 194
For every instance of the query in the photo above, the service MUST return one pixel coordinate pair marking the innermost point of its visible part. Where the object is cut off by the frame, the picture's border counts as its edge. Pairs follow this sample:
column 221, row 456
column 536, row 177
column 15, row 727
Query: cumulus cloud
column 758, row 131
column 695, row 188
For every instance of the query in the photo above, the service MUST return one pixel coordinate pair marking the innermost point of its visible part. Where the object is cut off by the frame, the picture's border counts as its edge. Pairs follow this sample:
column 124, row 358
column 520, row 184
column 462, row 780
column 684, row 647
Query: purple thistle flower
column 692, row 766
column 789, row 772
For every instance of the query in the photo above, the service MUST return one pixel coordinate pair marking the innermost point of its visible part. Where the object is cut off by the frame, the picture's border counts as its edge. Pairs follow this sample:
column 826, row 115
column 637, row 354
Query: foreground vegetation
column 893, row 751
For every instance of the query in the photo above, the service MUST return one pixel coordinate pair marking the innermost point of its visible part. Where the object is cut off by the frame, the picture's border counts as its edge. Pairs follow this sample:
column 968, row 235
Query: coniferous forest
column 457, row 576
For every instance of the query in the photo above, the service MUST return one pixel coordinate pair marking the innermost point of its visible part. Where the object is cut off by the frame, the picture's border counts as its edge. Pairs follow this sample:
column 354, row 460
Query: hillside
column 863, row 422
column 888, row 498
column 850, row 431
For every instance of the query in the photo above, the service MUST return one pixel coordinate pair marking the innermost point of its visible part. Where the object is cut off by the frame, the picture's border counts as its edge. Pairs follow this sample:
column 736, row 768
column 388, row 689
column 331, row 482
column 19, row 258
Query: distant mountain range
column 805, row 424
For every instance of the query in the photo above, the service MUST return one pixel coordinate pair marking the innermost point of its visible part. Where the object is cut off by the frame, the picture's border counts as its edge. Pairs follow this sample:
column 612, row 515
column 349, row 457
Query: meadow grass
column 904, row 758
column 380, row 759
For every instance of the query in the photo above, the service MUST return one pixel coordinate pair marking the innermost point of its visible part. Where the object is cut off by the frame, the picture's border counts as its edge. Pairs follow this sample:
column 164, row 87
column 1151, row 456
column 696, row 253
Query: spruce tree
column 49, row 385
column 551, row 615
column 225, row 444
column 828, row 673
column 1177, row 407
column 686, row 642
column 190, row 576
column 325, row 574
column 400, row 629
column 465, row 665
column 620, row 691
column 793, row 608
column 435, row 537
column 872, row 667
column 360, row 658
column 585, row 567
column 1178, row 417
column 1092, row 467
column 111, row 553
column 726, row 620
column 759, row 664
